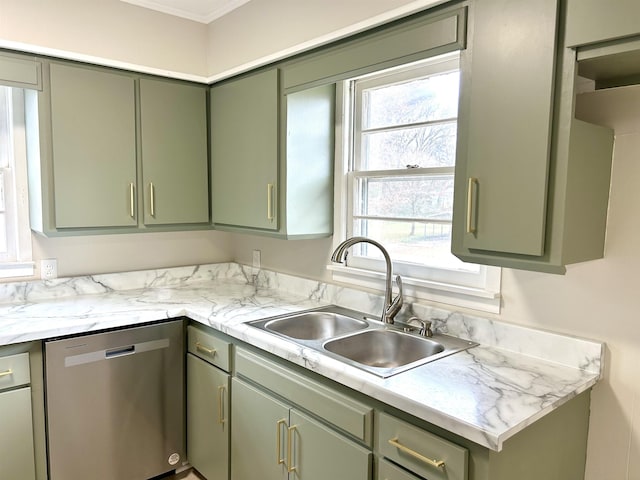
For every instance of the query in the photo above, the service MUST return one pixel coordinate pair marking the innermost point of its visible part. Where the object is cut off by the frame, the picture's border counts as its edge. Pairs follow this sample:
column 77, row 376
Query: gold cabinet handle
column 270, row 202
column 221, row 396
column 202, row 348
column 434, row 463
column 6, row 373
column 279, row 456
column 152, row 199
column 471, row 188
column 132, row 199
column 290, row 432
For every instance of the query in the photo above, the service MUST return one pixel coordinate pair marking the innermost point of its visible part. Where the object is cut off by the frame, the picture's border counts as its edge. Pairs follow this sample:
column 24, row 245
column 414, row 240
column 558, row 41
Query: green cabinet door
column 244, row 151
column 319, row 453
column 94, row 147
column 174, row 152
column 16, row 441
column 258, row 433
column 207, row 418
column 590, row 21
column 271, row 440
column 505, row 125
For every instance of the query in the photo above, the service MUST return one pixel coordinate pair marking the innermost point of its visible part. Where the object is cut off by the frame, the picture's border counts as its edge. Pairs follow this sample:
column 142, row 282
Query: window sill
column 456, row 295
column 17, row 269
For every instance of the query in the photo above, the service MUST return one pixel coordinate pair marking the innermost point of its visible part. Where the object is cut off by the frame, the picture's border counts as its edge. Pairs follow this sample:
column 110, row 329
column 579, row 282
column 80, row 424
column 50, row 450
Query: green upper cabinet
column 532, row 182
column 174, row 152
column 244, row 151
column 94, row 147
column 272, row 157
column 110, row 152
column 592, row 21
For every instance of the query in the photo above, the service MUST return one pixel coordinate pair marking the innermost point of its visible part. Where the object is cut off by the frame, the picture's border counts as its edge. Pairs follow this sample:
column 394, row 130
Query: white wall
column 107, row 30
column 127, row 252
column 264, row 30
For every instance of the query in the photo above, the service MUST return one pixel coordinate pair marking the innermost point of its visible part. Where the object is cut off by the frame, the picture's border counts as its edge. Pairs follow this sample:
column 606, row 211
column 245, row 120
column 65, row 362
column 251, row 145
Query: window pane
column 5, row 130
column 3, row 236
column 410, row 242
column 421, row 100
column 406, row 197
column 432, row 146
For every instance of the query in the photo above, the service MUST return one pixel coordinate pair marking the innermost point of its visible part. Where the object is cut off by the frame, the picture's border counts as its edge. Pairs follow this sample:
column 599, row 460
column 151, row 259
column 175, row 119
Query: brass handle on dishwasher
column 434, row 463
column 202, row 348
column 6, row 373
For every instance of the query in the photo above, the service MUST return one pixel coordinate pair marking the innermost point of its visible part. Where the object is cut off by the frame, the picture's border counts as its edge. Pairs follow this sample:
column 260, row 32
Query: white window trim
column 22, row 265
column 484, row 298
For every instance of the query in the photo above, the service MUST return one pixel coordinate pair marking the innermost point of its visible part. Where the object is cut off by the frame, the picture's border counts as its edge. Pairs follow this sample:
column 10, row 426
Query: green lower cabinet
column 207, row 419
column 273, row 440
column 389, row 471
column 16, row 440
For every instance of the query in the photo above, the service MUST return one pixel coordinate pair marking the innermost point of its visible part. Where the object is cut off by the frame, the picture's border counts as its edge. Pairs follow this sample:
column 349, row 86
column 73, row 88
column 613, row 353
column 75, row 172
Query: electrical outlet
column 48, row 269
column 256, row 259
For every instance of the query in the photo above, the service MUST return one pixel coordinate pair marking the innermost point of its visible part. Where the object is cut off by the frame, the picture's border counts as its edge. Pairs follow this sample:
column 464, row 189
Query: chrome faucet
column 391, row 307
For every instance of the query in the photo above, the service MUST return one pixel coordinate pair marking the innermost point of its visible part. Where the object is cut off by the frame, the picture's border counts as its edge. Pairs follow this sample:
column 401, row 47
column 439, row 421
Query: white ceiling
column 203, row 11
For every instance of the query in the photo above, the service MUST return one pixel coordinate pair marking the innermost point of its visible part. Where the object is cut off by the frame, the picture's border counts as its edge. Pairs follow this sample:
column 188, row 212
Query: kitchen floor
column 188, row 475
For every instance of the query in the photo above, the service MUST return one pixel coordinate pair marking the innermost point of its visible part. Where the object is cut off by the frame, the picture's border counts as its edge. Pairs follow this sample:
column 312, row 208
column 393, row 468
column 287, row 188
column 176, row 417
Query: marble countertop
column 485, row 394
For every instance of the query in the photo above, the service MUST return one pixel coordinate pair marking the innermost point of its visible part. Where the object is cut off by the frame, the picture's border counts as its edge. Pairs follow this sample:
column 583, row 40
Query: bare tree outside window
column 403, row 165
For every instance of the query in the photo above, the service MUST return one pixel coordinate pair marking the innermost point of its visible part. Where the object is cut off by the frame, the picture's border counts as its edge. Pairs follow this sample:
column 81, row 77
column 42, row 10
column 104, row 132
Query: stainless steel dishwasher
column 115, row 403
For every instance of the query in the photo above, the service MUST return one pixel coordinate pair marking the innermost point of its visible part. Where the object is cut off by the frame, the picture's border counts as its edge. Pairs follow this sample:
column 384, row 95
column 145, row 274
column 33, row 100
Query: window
column 15, row 236
column 398, row 164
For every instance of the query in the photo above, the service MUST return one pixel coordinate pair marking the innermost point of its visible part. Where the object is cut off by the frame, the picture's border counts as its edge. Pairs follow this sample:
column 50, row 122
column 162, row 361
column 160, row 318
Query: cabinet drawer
column 343, row 412
column 209, row 347
column 388, row 471
column 14, row 371
column 420, row 451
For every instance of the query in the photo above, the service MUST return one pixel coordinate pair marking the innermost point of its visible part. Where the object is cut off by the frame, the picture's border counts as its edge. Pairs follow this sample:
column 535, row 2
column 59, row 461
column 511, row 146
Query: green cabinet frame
column 272, row 157
column 108, row 147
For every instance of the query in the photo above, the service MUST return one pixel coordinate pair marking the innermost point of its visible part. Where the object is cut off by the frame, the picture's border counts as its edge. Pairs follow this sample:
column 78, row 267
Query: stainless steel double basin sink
column 360, row 341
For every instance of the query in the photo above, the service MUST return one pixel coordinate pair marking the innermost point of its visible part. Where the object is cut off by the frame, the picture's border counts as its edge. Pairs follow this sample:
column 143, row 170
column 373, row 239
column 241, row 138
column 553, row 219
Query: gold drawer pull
column 132, row 201
column 471, row 188
column 152, row 199
column 279, row 457
column 202, row 348
column 290, row 431
column 221, row 395
column 270, row 202
column 434, row 463
column 6, row 373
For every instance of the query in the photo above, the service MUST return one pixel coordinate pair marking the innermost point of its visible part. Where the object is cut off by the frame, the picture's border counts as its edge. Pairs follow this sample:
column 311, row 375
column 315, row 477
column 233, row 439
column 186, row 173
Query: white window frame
column 17, row 261
column 480, row 291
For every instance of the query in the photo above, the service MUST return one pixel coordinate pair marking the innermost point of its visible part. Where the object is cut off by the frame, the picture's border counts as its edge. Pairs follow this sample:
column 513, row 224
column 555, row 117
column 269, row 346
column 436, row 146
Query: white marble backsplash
column 565, row 350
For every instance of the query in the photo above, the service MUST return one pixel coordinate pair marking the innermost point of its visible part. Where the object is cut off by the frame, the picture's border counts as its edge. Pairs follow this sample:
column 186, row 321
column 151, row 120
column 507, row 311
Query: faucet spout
column 391, row 306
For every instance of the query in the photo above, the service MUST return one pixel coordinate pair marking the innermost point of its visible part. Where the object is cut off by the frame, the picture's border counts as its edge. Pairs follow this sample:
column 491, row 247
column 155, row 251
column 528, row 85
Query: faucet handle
column 423, row 325
column 397, row 302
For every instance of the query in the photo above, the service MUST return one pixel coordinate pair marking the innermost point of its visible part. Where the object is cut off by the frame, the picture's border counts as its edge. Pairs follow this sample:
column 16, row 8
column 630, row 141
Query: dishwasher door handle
column 117, row 352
